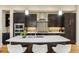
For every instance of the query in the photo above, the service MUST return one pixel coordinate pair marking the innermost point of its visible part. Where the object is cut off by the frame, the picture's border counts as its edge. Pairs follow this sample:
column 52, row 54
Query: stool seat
column 39, row 48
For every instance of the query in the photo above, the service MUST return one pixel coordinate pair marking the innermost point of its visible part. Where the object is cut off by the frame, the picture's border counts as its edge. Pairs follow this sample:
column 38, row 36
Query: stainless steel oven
column 18, row 28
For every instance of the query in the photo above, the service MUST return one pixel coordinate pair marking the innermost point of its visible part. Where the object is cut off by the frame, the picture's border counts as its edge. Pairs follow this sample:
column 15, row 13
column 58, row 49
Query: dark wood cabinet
column 52, row 20
column 30, row 20
column 19, row 17
column 55, row 21
column 70, row 26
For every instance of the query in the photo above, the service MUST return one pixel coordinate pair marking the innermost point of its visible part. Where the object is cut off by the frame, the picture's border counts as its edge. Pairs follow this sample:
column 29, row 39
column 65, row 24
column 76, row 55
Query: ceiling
column 40, row 8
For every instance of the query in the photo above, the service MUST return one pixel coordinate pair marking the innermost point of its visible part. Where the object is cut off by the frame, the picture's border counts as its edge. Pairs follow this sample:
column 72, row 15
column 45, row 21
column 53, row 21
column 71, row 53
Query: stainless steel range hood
column 42, row 26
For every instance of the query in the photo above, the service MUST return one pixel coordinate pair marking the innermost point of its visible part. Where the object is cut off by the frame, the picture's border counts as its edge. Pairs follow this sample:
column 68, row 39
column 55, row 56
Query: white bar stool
column 62, row 48
column 40, row 48
column 15, row 48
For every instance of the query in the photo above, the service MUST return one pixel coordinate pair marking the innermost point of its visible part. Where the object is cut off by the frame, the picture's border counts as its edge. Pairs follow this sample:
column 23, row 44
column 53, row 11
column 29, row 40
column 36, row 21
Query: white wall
column 39, row 8
column 3, row 21
column 0, row 27
column 77, row 25
column 11, row 23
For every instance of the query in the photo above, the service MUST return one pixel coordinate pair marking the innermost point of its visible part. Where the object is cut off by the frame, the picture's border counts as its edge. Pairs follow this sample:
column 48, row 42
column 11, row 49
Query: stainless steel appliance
column 18, row 28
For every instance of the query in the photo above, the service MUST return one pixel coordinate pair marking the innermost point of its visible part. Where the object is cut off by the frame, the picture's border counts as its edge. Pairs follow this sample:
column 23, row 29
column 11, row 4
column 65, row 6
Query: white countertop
column 48, row 32
column 44, row 39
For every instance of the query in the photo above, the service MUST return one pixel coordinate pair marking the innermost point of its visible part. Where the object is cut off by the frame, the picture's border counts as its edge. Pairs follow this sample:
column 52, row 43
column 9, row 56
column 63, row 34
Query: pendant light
column 60, row 12
column 26, row 12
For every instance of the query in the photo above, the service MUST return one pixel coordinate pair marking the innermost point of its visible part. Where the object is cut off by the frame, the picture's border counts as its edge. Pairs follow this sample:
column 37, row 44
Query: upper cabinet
column 52, row 20
column 30, row 20
column 55, row 21
column 19, row 17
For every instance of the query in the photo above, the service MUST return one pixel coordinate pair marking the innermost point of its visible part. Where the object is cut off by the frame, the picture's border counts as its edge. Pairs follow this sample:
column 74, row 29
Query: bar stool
column 15, row 48
column 62, row 48
column 36, row 48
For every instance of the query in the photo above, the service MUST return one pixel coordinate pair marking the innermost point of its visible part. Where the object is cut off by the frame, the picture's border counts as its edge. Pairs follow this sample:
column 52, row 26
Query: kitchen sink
column 35, row 36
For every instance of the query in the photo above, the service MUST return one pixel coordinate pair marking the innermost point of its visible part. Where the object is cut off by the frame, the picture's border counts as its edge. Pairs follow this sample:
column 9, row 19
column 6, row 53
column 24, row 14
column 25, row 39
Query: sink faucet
column 35, row 35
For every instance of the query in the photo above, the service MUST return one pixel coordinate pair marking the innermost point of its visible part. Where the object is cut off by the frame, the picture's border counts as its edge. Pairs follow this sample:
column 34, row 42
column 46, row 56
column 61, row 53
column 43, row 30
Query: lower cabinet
column 5, row 36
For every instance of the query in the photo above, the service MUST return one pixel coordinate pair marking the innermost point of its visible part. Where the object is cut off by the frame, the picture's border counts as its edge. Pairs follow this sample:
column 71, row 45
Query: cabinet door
column 55, row 21
column 52, row 20
column 70, row 27
column 19, row 17
column 30, row 20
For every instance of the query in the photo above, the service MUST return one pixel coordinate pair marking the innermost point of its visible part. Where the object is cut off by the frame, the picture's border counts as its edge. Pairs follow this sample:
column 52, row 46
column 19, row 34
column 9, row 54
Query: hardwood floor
column 4, row 49
column 74, row 49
